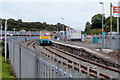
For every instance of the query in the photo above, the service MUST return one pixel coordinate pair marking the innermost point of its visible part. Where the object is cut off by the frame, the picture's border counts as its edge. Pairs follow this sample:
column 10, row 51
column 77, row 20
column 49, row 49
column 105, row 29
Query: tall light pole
column 6, row 40
column 118, row 18
column 118, row 25
column 63, row 27
column 1, row 32
column 103, row 33
column 14, row 31
column 57, row 28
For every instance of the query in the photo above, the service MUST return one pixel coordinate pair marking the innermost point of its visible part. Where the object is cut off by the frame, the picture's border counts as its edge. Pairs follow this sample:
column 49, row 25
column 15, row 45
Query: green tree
column 87, row 24
column 97, row 21
column 88, row 29
column 32, row 26
column 107, row 28
column 114, row 24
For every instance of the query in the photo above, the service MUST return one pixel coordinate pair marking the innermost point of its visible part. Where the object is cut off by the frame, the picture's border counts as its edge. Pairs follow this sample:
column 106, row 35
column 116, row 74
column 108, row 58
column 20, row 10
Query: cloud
column 58, row 0
column 75, row 14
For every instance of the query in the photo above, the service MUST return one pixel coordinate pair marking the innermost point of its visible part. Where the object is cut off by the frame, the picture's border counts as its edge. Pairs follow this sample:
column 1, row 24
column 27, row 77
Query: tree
column 97, row 21
column 88, row 29
column 87, row 24
column 107, row 28
column 114, row 24
column 96, row 25
column 32, row 26
column 19, row 21
column 0, row 22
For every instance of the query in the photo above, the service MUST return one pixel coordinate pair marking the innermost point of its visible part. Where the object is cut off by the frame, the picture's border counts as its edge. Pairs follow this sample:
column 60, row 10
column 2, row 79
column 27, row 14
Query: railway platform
column 95, row 47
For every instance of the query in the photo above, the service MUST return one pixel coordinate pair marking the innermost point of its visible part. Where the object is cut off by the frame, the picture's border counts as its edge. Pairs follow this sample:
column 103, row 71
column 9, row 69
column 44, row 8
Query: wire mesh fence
column 112, row 41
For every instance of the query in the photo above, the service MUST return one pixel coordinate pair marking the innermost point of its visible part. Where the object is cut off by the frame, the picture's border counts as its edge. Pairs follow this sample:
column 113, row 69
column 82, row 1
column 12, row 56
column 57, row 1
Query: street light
column 57, row 28
column 63, row 23
column 103, row 43
column 14, row 31
column 6, row 40
column 102, row 12
column 63, row 27
column 1, row 32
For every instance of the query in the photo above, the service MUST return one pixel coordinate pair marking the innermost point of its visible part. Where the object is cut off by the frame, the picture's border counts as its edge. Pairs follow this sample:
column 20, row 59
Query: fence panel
column 11, row 51
column 23, row 62
column 31, row 64
column 112, row 41
column 17, row 59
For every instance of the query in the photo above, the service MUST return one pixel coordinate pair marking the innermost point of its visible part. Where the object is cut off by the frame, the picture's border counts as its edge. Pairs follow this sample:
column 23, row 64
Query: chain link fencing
column 112, row 41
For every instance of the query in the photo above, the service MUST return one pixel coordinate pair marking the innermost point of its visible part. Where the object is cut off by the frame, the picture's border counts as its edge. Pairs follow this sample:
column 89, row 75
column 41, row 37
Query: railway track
column 91, row 62
column 32, row 43
column 84, row 68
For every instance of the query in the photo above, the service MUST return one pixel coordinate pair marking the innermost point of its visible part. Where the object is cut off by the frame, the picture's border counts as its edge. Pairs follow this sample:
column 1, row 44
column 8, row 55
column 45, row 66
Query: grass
column 5, row 68
column 0, row 63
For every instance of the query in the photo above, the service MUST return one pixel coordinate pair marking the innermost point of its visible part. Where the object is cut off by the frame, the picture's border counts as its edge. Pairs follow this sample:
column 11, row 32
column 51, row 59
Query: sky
column 75, row 13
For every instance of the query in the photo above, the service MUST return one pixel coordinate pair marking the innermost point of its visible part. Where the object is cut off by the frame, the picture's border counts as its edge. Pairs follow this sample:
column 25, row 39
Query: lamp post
column 103, row 33
column 57, row 28
column 14, row 31
column 6, row 40
column 63, row 27
column 118, row 18
column 1, row 32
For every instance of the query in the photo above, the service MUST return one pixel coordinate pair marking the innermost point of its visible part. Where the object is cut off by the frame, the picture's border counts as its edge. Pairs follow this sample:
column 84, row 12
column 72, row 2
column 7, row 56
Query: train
column 45, row 38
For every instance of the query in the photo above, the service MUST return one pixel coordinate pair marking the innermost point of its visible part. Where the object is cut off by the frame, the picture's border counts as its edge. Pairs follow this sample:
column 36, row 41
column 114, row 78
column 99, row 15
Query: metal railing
column 112, row 41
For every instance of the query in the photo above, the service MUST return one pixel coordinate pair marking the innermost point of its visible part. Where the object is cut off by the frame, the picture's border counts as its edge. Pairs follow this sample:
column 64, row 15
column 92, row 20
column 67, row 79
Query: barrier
column 30, row 63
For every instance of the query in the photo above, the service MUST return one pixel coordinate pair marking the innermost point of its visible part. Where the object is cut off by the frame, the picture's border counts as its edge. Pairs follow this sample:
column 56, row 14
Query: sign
column 67, row 29
column 116, row 11
column 73, row 30
column 103, row 29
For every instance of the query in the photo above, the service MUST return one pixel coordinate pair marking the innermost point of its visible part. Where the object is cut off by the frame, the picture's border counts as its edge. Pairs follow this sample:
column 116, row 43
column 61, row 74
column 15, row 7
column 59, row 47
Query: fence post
column 88, row 71
column 50, row 67
column 40, row 67
column 20, row 59
column 9, row 44
column 13, row 53
column 80, row 73
column 72, row 69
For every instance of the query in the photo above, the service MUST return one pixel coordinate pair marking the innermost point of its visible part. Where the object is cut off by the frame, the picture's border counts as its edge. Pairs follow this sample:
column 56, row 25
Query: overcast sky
column 75, row 13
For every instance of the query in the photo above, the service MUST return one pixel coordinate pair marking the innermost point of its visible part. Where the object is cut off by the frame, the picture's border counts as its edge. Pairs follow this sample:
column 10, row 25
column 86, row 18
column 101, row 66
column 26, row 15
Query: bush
column 95, row 31
column 3, row 49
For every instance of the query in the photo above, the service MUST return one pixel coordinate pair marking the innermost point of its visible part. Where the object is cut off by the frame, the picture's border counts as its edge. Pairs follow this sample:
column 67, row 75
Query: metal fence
column 112, row 41
column 28, row 63
column 32, row 63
